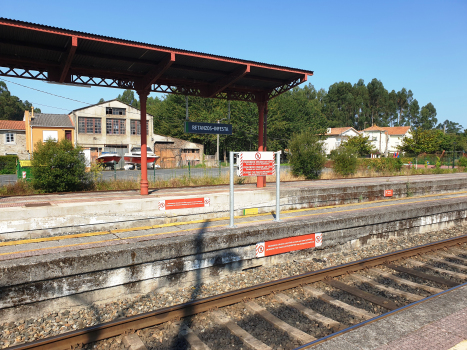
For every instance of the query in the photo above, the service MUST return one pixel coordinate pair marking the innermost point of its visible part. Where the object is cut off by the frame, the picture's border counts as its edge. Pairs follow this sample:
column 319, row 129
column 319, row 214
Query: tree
column 428, row 117
column 59, row 167
column 345, row 160
column 423, row 141
column 11, row 107
column 450, row 127
column 307, row 156
column 129, row 98
column 360, row 144
column 378, row 102
column 413, row 117
column 101, row 100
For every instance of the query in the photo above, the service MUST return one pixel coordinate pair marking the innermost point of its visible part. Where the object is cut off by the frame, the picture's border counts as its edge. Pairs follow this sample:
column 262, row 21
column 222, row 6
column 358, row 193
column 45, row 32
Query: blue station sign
column 208, row 128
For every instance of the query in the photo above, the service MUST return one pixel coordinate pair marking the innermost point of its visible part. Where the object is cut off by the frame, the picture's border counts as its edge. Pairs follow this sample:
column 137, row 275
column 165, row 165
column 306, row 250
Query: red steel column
column 143, row 96
column 261, row 180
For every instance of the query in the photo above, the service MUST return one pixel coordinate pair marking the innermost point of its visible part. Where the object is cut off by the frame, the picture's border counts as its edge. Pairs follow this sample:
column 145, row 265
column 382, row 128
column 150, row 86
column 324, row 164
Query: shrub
column 8, row 164
column 462, row 162
column 59, row 167
column 383, row 164
column 361, row 144
column 345, row 160
column 307, row 155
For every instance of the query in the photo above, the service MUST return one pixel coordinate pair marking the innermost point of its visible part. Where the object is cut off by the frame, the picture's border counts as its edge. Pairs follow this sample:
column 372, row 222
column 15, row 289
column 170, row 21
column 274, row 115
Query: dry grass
column 22, row 188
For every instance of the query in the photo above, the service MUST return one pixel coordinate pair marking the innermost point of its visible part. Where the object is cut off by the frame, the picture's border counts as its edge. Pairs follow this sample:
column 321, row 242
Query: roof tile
column 12, row 125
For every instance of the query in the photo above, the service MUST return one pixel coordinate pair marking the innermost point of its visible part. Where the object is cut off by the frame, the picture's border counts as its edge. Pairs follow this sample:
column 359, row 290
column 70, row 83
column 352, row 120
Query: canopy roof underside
column 46, row 53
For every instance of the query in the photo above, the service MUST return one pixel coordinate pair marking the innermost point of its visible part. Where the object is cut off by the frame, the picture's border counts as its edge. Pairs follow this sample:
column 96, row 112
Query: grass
column 22, row 188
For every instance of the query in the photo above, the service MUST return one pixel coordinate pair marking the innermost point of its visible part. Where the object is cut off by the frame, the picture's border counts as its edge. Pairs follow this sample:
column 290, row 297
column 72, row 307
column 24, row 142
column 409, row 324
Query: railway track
column 286, row 313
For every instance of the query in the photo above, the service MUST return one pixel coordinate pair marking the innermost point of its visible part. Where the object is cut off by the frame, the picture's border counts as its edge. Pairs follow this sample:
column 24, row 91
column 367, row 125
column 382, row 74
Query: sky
column 419, row 45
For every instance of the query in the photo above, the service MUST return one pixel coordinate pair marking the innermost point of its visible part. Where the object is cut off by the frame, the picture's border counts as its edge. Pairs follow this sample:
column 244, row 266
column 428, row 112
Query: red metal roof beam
column 66, row 63
column 155, row 73
column 228, row 80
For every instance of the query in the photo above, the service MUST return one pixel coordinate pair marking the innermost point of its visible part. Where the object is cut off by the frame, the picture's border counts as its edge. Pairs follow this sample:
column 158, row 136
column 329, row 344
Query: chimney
column 32, row 112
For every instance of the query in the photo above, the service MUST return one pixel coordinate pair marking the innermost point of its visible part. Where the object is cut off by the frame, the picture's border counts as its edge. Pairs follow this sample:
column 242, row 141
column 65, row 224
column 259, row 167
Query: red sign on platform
column 256, row 164
column 184, row 203
column 289, row 244
column 388, row 193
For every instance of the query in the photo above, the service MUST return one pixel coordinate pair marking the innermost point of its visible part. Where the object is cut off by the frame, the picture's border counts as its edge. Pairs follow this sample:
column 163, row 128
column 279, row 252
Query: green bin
column 23, row 170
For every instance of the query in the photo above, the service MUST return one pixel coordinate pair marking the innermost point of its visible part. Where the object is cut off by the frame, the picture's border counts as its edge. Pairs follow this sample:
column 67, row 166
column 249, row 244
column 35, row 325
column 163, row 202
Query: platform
column 440, row 323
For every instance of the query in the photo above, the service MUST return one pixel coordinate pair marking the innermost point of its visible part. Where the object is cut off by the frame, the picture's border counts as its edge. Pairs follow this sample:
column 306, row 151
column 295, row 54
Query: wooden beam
column 66, row 63
column 228, row 80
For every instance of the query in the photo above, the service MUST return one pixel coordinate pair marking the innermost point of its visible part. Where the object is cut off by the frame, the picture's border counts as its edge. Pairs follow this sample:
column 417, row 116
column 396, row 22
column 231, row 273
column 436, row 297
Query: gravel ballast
column 61, row 321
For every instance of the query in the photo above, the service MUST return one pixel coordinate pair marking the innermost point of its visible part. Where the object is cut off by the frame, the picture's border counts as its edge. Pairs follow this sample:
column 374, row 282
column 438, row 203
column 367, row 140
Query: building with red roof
column 387, row 139
column 335, row 136
column 13, row 138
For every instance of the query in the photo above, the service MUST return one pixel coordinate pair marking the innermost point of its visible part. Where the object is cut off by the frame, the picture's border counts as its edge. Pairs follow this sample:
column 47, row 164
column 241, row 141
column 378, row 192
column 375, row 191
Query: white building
column 335, row 136
column 386, row 139
column 110, row 126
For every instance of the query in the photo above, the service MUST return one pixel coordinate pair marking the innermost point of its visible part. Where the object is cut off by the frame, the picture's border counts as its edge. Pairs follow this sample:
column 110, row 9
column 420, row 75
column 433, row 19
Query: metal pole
column 189, row 170
column 186, row 106
column 115, row 171
column 231, row 159
column 217, row 154
column 278, row 186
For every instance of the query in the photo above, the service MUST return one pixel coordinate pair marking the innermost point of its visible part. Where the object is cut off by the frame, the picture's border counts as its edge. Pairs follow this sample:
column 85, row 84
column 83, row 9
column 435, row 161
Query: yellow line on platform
column 101, row 233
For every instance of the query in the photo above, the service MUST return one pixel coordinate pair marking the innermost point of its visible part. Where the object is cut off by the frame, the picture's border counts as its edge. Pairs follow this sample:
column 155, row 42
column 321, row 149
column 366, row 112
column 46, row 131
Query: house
column 335, row 136
column 110, row 126
column 13, row 138
column 175, row 152
column 41, row 127
column 386, row 139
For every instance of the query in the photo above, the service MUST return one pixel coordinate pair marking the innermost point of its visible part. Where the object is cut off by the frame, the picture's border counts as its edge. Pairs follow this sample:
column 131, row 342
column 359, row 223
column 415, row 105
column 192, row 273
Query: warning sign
column 184, row 203
column 388, row 193
column 256, row 164
column 289, row 244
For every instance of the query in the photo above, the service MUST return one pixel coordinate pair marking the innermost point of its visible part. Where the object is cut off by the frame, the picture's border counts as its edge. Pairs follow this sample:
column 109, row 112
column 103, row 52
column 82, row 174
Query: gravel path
column 21, row 331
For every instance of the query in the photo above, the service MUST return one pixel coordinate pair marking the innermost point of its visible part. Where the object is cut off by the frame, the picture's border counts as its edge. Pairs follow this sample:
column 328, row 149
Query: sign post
column 255, row 164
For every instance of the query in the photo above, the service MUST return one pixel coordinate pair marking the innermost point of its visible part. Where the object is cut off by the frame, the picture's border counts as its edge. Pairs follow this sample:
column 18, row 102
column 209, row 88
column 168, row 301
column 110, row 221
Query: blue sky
column 419, row 45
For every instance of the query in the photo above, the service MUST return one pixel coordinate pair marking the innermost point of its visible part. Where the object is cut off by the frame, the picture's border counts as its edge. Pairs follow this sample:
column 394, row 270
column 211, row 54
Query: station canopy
column 40, row 52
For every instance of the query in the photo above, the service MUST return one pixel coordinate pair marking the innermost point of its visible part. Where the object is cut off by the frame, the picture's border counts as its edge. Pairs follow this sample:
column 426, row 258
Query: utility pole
column 217, row 153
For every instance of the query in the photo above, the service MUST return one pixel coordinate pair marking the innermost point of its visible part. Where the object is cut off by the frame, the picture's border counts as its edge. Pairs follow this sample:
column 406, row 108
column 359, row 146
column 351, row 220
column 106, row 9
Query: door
column 68, row 135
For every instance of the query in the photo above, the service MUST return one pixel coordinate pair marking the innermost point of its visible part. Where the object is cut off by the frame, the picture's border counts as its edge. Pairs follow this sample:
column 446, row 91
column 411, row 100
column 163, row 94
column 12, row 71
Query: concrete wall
column 44, row 221
column 18, row 147
column 43, row 282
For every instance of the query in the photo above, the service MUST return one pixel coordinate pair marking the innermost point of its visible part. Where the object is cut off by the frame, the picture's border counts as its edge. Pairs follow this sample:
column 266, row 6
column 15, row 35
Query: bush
column 345, row 160
column 383, row 164
column 462, row 162
column 59, row 167
column 8, row 164
column 307, row 155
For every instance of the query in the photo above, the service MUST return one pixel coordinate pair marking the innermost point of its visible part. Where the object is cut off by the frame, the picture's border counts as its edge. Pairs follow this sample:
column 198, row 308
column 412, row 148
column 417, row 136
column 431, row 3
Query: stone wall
column 18, row 147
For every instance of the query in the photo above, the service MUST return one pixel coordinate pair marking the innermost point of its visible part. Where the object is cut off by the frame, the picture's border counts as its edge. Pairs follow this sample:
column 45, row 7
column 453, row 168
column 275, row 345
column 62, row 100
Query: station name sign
column 208, row 128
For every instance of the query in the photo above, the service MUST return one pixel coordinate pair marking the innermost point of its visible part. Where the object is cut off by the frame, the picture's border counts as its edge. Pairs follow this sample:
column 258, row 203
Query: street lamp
column 217, row 154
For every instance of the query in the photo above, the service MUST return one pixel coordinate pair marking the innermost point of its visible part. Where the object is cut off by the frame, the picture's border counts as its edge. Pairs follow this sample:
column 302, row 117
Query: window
column 115, row 111
column 50, row 135
column 135, row 127
column 115, row 126
column 9, row 137
column 89, row 125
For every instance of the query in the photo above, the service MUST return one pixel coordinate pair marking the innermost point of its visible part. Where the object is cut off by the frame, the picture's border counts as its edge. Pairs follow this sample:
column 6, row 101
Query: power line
column 45, row 92
column 67, row 98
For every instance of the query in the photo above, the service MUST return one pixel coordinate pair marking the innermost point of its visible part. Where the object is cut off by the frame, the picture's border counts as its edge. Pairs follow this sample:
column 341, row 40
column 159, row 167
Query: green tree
column 423, row 141
column 360, row 144
column 128, row 97
column 450, row 127
column 428, row 117
column 59, row 167
column 345, row 160
column 11, row 107
column 307, row 156
column 101, row 100
column 378, row 102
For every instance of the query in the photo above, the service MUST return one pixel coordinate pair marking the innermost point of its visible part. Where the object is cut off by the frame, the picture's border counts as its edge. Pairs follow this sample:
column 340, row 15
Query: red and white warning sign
column 388, row 193
column 256, row 164
column 24, row 174
column 169, row 204
column 290, row 244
